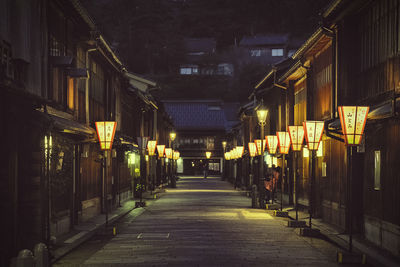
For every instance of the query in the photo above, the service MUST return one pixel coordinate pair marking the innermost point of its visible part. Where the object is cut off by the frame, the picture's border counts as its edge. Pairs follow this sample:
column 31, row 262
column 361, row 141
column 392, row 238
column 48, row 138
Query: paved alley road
column 203, row 222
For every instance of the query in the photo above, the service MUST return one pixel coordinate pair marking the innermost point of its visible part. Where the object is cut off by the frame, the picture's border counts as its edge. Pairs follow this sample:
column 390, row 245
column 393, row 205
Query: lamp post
column 223, row 160
column 352, row 120
column 172, row 136
column 262, row 113
column 313, row 131
column 105, row 133
column 284, row 146
column 296, row 134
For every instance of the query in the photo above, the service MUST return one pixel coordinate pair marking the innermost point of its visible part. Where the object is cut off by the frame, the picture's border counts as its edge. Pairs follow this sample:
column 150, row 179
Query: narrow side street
column 203, row 222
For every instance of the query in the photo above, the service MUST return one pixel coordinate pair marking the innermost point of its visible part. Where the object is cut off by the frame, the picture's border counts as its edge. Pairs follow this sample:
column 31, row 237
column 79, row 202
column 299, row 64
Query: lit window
column 186, row 71
column 71, row 89
column 255, row 53
column 277, row 52
column 377, row 173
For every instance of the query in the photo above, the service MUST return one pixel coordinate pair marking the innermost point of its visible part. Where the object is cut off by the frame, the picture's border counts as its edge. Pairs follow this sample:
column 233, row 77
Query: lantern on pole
column 239, row 151
column 296, row 134
column 176, row 155
column 168, row 153
column 208, row 154
column 284, row 146
column 151, row 147
column 260, row 146
column 313, row 131
column 160, row 150
column 353, row 119
column 272, row 143
column 105, row 132
column 252, row 149
column 283, row 142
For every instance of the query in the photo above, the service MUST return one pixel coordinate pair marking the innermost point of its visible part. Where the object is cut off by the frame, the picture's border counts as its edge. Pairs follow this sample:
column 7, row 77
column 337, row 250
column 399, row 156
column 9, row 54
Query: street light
column 296, row 134
column 352, row 120
column 105, row 132
column 262, row 113
column 172, row 136
column 224, row 143
column 208, row 154
column 313, row 131
column 284, row 146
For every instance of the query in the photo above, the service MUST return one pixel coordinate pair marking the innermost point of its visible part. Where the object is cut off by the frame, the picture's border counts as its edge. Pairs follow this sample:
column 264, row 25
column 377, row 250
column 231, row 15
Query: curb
column 59, row 253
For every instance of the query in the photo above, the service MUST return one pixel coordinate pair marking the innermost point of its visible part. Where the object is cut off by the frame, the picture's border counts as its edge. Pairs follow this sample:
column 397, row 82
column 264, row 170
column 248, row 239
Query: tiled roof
column 206, row 45
column 271, row 39
column 196, row 114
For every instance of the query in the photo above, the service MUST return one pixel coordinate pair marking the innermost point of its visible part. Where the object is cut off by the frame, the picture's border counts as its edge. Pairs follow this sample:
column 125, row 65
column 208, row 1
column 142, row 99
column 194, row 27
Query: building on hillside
column 202, row 59
column 267, row 49
column 201, row 125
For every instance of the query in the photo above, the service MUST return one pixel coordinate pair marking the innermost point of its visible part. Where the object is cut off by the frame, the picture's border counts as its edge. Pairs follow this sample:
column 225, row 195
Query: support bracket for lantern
column 333, row 133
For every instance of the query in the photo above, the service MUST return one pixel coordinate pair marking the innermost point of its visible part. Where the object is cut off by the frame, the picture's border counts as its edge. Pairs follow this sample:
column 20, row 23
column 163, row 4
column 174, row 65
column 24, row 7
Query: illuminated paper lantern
column 239, row 151
column 151, row 146
column 260, row 146
column 105, row 132
column 252, row 149
column 208, row 154
column 313, row 131
column 160, row 150
column 296, row 134
column 272, row 143
column 352, row 119
column 176, row 155
column 283, row 142
column 168, row 153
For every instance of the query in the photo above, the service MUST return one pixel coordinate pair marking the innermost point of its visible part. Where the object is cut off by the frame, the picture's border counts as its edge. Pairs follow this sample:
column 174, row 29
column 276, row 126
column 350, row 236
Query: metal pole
column 105, row 186
column 260, row 181
column 350, row 180
column 282, row 185
column 312, row 178
column 295, row 183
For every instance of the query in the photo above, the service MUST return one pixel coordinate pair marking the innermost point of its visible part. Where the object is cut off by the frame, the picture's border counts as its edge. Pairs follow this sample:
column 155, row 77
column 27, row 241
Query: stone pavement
column 84, row 231
column 203, row 222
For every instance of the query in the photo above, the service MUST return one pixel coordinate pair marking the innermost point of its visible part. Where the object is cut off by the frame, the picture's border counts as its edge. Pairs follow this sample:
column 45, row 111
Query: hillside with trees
column 149, row 34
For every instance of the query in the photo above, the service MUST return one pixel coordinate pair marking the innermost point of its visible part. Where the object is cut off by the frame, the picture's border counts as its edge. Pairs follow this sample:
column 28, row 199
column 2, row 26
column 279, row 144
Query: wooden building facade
column 58, row 76
column 352, row 59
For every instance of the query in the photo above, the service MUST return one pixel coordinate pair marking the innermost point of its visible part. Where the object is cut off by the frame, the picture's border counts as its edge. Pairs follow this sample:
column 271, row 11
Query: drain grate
column 153, row 236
